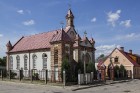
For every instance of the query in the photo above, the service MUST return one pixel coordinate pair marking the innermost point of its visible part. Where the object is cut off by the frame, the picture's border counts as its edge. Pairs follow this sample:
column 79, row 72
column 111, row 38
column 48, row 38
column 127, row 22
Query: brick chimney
column 122, row 48
column 130, row 51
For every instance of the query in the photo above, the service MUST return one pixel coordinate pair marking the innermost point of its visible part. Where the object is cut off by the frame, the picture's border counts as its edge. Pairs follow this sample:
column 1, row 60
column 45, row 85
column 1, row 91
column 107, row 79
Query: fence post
column 32, row 75
column 79, row 77
column 20, row 72
column 46, row 76
column 91, row 77
column 64, row 78
column 2, row 74
column 10, row 74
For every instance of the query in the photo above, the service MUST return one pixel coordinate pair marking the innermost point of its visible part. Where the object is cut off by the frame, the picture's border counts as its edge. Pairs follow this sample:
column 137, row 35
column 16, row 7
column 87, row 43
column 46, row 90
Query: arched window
column 86, row 58
column 34, row 61
column 44, row 58
column 11, row 62
column 25, row 62
column 67, row 52
column 55, row 55
column 18, row 62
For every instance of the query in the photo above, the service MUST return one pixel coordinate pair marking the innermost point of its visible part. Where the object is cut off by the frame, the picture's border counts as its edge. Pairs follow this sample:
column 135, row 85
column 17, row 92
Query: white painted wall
column 39, row 62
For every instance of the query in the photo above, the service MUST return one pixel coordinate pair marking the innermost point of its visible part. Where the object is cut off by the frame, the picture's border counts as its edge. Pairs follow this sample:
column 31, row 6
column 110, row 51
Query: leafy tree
column 101, row 57
column 3, row 61
column 90, row 67
column 66, row 66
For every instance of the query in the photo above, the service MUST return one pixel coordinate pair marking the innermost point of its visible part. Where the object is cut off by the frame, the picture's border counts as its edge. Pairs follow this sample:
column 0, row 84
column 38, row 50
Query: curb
column 90, row 86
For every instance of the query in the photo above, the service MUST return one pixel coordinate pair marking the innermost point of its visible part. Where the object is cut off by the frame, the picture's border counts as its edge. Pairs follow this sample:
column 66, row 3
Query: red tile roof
column 39, row 41
column 127, row 55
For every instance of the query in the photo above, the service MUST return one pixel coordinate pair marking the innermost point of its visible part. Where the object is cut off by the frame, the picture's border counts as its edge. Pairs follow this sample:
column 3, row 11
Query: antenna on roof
column 62, row 23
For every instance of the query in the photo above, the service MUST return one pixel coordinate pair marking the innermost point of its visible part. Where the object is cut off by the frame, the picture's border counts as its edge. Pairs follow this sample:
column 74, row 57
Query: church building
column 47, row 50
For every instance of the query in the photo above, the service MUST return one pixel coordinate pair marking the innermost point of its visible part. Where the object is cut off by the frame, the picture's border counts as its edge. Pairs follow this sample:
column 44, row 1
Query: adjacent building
column 129, row 60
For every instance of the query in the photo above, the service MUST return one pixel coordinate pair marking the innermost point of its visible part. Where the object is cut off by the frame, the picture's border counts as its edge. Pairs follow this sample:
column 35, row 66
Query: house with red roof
column 47, row 50
column 129, row 60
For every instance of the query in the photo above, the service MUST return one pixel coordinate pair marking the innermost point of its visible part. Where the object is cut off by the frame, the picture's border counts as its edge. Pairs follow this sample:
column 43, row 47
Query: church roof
column 39, row 41
column 61, row 35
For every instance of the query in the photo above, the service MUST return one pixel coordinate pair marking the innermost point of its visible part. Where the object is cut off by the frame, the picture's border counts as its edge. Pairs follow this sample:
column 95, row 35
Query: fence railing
column 32, row 75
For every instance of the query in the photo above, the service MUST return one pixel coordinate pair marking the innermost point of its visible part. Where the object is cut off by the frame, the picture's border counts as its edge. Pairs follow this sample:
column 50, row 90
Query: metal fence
column 32, row 75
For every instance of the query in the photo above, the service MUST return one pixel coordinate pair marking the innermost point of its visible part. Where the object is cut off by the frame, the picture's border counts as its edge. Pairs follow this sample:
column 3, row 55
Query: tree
column 102, row 57
column 122, row 71
column 3, row 61
column 66, row 66
column 90, row 67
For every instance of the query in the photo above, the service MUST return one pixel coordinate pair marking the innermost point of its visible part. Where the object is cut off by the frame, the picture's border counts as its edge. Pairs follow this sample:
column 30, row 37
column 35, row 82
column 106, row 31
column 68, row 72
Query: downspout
column 29, row 64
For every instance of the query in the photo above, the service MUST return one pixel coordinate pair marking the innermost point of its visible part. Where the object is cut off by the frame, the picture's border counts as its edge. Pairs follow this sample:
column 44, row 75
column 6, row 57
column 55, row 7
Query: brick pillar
column 112, row 74
column 103, row 74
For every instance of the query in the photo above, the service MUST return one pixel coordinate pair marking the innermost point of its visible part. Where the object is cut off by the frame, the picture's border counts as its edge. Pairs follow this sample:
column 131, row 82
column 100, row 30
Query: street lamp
column 85, row 79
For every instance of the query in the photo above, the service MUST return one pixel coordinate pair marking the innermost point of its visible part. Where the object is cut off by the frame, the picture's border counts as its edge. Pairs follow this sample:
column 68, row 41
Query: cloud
column 20, row 11
column 131, row 36
column 93, row 19
column 29, row 22
column 113, row 17
column 1, row 35
column 105, row 49
column 126, row 23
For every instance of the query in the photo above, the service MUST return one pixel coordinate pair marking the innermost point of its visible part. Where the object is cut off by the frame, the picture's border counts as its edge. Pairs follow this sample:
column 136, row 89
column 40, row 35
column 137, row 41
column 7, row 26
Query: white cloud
column 29, row 22
column 131, row 36
column 20, row 11
column 105, row 49
column 113, row 17
column 126, row 23
column 1, row 35
column 93, row 19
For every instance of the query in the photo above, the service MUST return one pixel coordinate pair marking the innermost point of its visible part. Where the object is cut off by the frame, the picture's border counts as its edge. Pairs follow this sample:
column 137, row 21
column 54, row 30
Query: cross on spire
column 62, row 23
column 85, row 33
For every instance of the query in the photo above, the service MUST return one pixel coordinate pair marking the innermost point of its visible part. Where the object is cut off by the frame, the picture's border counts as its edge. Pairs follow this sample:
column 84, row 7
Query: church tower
column 70, row 19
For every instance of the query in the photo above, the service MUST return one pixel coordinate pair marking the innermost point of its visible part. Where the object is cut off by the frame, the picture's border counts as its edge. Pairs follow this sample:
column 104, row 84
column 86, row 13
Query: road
column 12, row 87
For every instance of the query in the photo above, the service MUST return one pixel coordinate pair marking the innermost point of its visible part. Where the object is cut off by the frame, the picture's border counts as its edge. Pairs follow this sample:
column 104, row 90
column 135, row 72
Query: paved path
column 11, row 87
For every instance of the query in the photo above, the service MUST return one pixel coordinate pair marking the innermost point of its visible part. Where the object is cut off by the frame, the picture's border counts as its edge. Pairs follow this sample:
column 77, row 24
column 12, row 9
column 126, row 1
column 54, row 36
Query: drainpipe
column 29, row 64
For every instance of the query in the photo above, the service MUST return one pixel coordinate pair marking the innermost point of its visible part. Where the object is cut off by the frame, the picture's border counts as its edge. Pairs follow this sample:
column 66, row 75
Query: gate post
column 91, row 77
column 64, row 78
column 79, row 77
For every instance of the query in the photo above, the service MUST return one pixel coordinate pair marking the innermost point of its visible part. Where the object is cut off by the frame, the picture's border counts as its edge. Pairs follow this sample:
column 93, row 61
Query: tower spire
column 70, row 19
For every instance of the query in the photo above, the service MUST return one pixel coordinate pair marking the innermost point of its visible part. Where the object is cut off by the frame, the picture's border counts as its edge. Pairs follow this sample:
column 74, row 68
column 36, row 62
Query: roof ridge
column 43, row 32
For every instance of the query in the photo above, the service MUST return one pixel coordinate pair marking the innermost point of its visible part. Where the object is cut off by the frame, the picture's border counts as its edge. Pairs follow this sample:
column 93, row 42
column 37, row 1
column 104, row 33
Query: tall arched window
column 18, row 62
column 44, row 58
column 11, row 62
column 55, row 55
column 34, row 61
column 25, row 62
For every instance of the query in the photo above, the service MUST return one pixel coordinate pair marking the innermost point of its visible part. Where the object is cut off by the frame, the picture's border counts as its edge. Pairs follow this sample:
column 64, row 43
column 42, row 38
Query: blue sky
column 112, row 23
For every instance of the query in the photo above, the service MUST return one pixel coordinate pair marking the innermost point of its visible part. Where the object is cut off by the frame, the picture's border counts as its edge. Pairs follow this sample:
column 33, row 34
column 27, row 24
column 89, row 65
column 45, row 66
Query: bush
column 36, row 76
column 116, row 71
column 120, row 72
